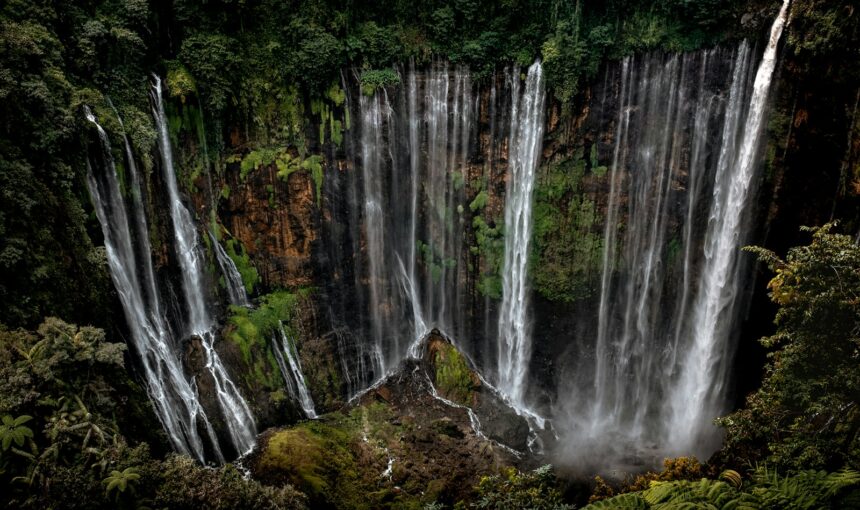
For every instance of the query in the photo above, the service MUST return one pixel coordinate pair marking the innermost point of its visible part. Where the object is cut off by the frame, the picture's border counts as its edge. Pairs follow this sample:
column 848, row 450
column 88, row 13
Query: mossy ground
column 398, row 447
column 340, row 460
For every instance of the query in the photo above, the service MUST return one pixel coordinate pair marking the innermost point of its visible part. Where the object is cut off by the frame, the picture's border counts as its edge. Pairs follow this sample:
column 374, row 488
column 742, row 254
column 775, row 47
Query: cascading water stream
column 411, row 153
column 238, row 418
column 413, row 157
column 698, row 396
column 173, row 396
column 291, row 371
column 687, row 132
column 232, row 279
column 525, row 150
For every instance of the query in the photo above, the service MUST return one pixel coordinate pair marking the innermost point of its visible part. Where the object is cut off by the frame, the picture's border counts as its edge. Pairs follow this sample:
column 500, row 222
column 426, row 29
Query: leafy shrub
column 766, row 490
column 375, row 79
column 536, row 490
column 806, row 415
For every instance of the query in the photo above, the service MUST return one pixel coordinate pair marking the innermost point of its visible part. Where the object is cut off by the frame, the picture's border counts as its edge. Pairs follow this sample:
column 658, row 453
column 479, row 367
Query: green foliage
column 60, row 393
column 584, row 34
column 285, row 162
column 479, row 202
column 237, row 253
column 14, row 431
column 315, row 457
column 491, row 248
column 680, row 468
column 806, row 412
column 821, row 27
column 372, row 80
column 314, row 165
column 253, row 328
column 336, row 94
column 184, row 485
column 435, row 261
column 212, row 59
column 179, row 81
column 120, row 481
column 766, row 490
column 536, row 490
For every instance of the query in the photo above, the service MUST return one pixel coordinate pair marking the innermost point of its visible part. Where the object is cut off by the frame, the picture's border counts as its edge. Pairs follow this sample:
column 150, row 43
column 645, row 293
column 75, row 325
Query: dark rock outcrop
column 411, row 438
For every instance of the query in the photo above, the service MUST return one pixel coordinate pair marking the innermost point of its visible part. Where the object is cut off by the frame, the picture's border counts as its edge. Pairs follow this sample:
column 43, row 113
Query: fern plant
column 118, row 482
column 768, row 490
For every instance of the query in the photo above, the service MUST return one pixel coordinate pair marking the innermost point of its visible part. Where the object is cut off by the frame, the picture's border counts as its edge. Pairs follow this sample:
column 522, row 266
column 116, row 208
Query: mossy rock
column 453, row 377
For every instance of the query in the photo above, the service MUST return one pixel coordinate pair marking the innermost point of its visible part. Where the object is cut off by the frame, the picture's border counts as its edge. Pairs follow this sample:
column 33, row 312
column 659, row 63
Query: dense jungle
column 465, row 254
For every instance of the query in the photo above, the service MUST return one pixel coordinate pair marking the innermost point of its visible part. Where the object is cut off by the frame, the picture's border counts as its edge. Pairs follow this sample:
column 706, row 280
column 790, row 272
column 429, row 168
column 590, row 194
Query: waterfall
column 232, row 279
column 699, row 396
column 173, row 396
column 372, row 161
column 524, row 155
column 686, row 137
column 419, row 163
column 238, row 418
column 291, row 371
column 410, row 155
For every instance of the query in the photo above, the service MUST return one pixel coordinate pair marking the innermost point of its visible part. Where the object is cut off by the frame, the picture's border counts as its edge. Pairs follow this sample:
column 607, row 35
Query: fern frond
column 629, row 501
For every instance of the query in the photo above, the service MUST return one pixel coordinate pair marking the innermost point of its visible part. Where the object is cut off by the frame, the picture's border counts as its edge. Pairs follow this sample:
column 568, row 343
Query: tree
column 806, row 413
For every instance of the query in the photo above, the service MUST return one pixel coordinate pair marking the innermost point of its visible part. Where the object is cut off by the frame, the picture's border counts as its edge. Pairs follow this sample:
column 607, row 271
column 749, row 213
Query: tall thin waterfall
column 372, row 160
column 291, row 371
column 699, row 396
column 687, row 132
column 232, row 279
column 238, row 418
column 524, row 154
column 173, row 395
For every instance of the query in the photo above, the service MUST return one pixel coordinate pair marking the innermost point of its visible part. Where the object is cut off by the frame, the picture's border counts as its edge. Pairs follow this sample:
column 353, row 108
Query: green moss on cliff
column 490, row 246
column 453, row 377
column 251, row 331
column 240, row 257
column 568, row 241
column 333, row 460
column 315, row 457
